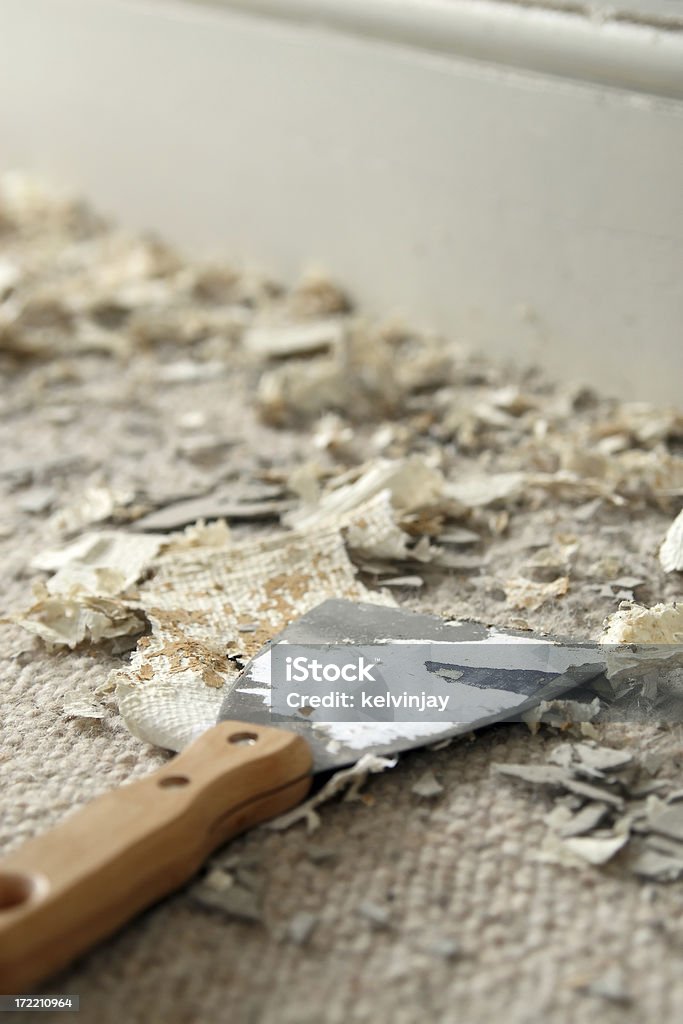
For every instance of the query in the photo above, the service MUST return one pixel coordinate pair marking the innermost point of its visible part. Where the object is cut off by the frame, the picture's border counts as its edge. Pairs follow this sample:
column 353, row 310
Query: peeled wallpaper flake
column 348, row 780
column 210, row 611
column 100, row 564
column 671, row 551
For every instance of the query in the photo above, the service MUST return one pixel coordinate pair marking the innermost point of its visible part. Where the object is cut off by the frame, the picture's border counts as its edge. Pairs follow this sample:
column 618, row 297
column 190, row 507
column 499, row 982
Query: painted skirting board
column 480, row 184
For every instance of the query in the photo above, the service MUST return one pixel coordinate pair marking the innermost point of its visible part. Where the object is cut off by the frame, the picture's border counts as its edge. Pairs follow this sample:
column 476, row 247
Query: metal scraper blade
column 488, row 675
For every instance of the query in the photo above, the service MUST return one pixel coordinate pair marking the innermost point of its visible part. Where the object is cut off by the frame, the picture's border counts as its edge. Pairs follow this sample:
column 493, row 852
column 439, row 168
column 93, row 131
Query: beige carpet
column 460, row 869
column 464, row 922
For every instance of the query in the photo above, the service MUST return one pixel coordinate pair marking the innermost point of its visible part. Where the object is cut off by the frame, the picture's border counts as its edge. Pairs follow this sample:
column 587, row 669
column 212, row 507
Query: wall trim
column 644, row 56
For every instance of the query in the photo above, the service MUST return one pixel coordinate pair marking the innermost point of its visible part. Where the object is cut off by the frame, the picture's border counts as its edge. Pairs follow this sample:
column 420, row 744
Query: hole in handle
column 173, row 781
column 243, row 738
column 15, row 890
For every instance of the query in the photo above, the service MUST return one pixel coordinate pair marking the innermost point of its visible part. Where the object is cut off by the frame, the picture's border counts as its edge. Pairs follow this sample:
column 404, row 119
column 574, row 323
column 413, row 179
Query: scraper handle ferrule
column 65, row 890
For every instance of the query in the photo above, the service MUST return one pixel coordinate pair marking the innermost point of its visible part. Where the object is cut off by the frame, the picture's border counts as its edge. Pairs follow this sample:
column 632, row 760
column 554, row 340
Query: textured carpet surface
column 460, row 869
column 423, row 909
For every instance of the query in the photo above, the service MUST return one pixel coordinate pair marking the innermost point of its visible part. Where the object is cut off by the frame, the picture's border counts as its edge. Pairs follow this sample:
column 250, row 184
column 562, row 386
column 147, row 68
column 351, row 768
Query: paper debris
column 535, row 774
column 69, row 621
column 38, row 500
column 593, row 792
column 595, row 849
column 198, row 535
column 557, row 778
column 331, row 433
column 372, row 532
column 286, row 395
column 101, row 564
column 598, row 760
column 668, row 822
column 273, row 342
column 402, row 581
column 81, row 702
column 613, row 816
column 367, row 376
column 95, row 505
column 381, row 509
column 316, row 295
column 378, row 916
column 221, row 505
column 86, row 598
column 658, row 634
column 219, row 890
column 525, row 594
column 300, row 928
column 577, row 851
column 10, row 274
column 658, row 867
column 411, row 483
column 486, row 489
column 459, row 535
column 636, row 624
column 427, row 786
column 671, row 551
column 189, row 371
column 585, row 820
column 642, row 423
column 348, row 780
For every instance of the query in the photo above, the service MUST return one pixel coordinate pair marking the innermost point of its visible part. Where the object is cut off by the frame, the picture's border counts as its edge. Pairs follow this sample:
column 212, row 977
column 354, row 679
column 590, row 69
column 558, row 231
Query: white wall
column 525, row 212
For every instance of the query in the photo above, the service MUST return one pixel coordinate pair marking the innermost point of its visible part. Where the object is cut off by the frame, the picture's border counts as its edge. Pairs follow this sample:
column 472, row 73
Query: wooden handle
column 65, row 890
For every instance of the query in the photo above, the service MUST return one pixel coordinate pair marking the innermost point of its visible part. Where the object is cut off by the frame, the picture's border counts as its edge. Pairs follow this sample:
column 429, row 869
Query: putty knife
column 65, row 890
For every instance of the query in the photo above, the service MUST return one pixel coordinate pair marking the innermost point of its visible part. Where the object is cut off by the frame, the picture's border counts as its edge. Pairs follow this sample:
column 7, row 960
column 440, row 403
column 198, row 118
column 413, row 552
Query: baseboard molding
column 612, row 46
